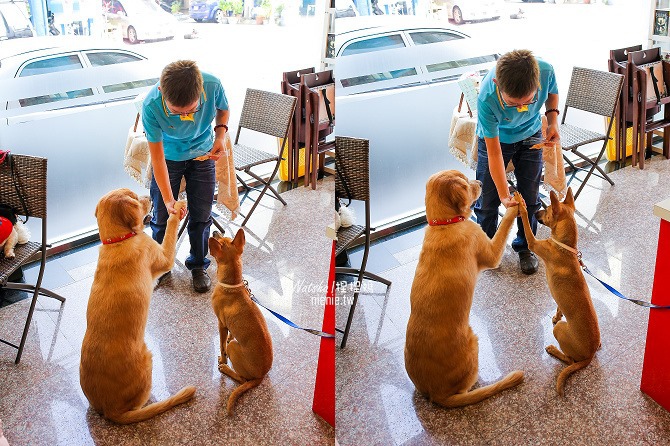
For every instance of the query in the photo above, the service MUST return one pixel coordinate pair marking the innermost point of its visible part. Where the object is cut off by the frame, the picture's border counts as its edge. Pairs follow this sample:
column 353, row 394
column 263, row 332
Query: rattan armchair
column 270, row 114
column 30, row 177
column 595, row 92
column 353, row 181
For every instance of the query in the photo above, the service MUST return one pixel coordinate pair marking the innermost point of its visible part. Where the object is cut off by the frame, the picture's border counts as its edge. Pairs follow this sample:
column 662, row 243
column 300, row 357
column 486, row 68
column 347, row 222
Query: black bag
column 6, row 156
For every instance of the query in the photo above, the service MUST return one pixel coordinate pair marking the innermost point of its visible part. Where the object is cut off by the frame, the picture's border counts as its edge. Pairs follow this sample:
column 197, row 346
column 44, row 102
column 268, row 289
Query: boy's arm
column 497, row 169
column 159, row 168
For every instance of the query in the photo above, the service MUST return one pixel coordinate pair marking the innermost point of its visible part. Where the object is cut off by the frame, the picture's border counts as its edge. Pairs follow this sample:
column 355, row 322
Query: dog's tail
column 569, row 370
column 22, row 231
column 134, row 416
column 239, row 391
column 480, row 394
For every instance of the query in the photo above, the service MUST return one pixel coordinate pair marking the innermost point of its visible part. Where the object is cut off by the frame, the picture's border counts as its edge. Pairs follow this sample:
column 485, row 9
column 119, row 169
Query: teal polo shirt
column 509, row 124
column 184, row 137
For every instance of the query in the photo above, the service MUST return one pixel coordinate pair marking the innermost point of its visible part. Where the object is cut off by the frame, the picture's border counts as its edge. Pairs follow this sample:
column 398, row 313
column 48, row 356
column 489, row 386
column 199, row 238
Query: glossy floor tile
column 511, row 315
column 286, row 262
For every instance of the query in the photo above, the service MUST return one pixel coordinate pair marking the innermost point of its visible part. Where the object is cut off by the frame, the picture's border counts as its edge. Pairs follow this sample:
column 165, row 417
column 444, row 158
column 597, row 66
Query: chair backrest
column 293, row 77
column 267, row 112
column 30, row 173
column 593, row 91
column 320, row 83
column 352, row 162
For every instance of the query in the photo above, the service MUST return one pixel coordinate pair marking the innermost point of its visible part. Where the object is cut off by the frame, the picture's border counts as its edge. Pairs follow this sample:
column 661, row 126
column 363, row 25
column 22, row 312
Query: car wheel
column 198, row 20
column 458, row 15
column 220, row 17
column 132, row 35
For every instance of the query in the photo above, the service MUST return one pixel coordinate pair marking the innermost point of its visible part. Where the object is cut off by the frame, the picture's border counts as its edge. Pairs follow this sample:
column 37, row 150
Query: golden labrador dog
column 578, row 336
column 441, row 350
column 243, row 332
column 115, row 368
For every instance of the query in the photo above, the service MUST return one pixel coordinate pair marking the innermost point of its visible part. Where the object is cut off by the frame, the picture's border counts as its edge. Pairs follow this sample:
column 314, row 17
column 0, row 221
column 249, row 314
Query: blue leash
column 313, row 331
column 610, row 288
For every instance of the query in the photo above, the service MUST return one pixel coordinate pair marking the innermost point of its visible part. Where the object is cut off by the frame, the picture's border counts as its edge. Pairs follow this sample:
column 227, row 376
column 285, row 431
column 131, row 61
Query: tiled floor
column 511, row 314
column 41, row 402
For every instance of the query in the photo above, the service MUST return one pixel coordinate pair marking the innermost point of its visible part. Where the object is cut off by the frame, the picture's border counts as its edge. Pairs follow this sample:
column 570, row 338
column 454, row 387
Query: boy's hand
column 509, row 202
column 175, row 207
column 217, row 150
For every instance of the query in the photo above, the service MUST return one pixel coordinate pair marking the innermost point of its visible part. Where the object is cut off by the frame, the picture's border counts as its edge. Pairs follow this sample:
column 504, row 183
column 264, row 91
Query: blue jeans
column 200, row 181
column 528, row 172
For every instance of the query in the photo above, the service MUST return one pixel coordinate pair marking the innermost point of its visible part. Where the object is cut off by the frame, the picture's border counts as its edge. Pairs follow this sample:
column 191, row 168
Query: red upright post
column 324, row 388
column 656, row 367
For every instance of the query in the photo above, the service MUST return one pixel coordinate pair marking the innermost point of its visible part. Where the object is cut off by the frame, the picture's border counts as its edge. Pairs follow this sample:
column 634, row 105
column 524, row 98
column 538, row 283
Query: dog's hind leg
column 223, row 368
column 556, row 353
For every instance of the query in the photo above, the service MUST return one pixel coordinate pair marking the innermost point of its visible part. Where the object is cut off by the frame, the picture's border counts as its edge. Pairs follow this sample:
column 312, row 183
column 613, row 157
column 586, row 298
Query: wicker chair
column 595, row 92
column 270, row 114
column 353, row 181
column 30, row 174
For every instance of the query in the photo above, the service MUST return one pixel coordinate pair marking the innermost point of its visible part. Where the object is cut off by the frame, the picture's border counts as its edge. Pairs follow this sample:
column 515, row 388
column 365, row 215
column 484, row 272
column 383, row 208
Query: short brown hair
column 517, row 73
column 181, row 83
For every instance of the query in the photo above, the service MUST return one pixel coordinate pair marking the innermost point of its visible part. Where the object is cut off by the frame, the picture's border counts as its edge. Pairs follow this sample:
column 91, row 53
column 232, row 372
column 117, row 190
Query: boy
column 509, row 103
column 177, row 116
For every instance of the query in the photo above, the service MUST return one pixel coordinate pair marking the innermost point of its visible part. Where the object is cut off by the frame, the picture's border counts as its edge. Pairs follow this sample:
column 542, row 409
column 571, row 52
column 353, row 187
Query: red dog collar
column 6, row 228
column 456, row 219
column 109, row 241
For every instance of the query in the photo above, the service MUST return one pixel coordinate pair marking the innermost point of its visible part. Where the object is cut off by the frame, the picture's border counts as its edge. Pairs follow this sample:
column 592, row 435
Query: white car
column 461, row 11
column 71, row 100
column 140, row 20
column 380, row 53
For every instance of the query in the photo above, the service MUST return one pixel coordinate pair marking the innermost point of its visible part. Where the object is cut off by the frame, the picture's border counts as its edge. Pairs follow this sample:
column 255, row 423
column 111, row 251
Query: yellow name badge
column 189, row 117
column 523, row 108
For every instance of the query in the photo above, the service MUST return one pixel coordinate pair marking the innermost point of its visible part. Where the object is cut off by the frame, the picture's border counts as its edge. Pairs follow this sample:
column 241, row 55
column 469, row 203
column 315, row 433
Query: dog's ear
column 569, row 199
column 214, row 247
column 554, row 199
column 239, row 240
column 456, row 193
column 131, row 212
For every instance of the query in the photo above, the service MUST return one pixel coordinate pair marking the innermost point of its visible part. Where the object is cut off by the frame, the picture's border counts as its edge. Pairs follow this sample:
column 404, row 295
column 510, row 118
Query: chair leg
column 30, row 288
column 366, row 274
column 350, row 317
column 267, row 186
column 24, row 336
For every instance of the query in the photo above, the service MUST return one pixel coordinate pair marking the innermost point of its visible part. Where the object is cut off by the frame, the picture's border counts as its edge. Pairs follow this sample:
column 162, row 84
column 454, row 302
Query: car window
column 130, row 85
column 461, row 63
column 52, row 65
column 55, row 97
column 426, row 37
column 378, row 77
column 14, row 16
column 101, row 58
column 374, row 44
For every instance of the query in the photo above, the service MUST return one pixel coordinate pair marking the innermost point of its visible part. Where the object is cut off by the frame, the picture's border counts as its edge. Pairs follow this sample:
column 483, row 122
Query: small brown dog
column 243, row 332
column 578, row 336
column 441, row 350
column 115, row 368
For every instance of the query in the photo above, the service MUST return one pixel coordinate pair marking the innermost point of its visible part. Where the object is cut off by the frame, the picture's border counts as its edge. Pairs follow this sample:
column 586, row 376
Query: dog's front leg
column 535, row 245
column 169, row 245
column 10, row 243
column 492, row 255
column 223, row 336
column 558, row 316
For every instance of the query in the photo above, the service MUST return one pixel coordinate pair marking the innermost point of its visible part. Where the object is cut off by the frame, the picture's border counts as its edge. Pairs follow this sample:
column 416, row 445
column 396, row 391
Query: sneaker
column 201, row 281
column 528, row 262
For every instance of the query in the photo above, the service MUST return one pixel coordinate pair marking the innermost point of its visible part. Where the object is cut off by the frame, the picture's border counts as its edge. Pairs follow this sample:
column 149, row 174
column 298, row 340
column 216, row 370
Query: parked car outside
column 207, row 11
column 71, row 100
column 461, row 11
column 14, row 22
column 382, row 53
column 140, row 20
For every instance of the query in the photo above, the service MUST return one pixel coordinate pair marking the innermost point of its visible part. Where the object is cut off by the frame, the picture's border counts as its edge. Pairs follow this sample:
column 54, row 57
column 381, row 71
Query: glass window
column 461, row 63
column 374, row 44
column 52, row 65
column 378, row 77
column 426, row 37
column 99, row 59
column 130, row 85
column 55, row 97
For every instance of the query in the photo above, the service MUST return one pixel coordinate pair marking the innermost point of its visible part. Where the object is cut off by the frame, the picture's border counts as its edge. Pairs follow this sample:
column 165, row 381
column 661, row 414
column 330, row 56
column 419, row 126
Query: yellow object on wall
column 611, row 144
column 283, row 165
